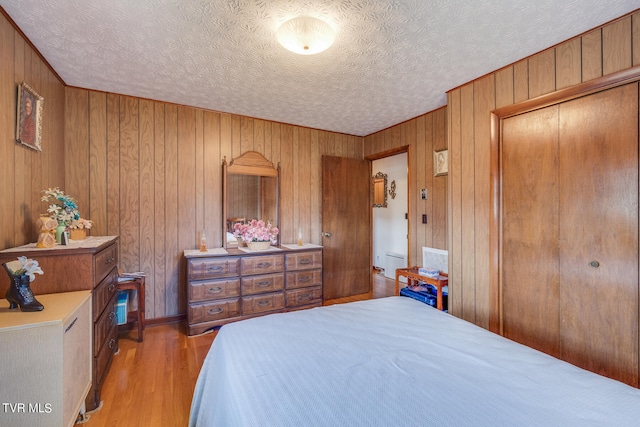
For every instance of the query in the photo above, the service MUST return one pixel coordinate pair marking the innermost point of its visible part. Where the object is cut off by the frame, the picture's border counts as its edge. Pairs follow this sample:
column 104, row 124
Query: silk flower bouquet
column 64, row 209
column 256, row 231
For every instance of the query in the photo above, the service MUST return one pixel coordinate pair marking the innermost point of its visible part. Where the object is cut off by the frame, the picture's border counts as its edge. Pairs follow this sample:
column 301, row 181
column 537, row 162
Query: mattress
column 393, row 362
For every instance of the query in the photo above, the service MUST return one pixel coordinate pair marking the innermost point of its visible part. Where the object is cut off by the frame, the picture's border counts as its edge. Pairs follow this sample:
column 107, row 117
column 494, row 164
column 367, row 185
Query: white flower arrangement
column 22, row 266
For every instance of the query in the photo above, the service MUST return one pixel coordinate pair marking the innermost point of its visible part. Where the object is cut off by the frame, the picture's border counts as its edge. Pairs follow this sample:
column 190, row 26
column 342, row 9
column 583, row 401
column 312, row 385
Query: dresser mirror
column 250, row 190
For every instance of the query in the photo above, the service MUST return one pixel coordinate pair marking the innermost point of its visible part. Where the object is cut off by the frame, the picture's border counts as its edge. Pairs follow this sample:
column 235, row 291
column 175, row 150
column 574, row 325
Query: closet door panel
column 598, row 245
column 530, row 229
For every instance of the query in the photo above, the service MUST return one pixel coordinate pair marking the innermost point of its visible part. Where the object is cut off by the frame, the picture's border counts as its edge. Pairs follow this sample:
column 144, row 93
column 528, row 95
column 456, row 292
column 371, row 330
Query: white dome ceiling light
column 305, row 35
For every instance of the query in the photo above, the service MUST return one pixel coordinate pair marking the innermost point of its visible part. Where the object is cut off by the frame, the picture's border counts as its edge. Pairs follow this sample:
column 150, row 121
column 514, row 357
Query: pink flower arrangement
column 256, row 231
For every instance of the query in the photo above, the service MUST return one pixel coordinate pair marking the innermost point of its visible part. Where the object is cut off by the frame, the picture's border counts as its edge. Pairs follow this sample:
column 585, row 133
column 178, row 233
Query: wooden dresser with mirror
column 234, row 283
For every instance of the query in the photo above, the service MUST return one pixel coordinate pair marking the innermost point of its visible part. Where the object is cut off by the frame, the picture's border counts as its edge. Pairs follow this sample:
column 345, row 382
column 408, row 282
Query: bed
column 393, row 362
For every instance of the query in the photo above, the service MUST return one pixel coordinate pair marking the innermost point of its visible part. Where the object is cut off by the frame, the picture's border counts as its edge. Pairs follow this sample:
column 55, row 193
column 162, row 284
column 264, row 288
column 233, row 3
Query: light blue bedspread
column 393, row 362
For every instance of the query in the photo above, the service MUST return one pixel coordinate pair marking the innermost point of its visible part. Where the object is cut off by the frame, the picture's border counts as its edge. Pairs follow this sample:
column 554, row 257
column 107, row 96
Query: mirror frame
column 379, row 180
column 248, row 163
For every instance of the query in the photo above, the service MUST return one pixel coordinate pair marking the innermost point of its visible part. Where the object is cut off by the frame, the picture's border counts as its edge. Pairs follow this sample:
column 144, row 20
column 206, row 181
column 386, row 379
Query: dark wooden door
column 346, row 226
column 569, row 266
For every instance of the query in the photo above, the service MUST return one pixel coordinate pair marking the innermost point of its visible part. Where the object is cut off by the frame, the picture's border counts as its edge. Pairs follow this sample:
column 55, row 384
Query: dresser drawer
column 305, row 278
column 212, row 268
column 103, row 293
column 304, row 260
column 105, row 261
column 103, row 326
column 262, row 303
column 262, row 264
column 213, row 289
column 102, row 359
column 260, row 284
column 304, row 296
column 214, row 310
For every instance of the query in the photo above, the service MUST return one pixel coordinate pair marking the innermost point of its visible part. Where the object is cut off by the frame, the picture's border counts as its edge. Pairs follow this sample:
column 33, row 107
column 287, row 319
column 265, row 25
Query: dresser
column 234, row 284
column 89, row 264
column 46, row 361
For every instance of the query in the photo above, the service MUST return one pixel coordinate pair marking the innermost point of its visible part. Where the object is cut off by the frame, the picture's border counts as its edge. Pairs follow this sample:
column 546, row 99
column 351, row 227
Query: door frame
column 620, row 78
column 382, row 155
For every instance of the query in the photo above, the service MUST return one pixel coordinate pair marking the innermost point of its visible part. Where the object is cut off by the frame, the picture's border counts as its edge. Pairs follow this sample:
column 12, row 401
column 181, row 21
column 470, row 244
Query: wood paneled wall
column 422, row 135
column 24, row 172
column 612, row 47
column 151, row 172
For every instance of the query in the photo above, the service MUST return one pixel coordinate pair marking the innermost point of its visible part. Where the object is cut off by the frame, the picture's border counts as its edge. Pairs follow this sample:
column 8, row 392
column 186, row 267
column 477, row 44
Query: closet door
column 530, row 229
column 598, row 230
column 569, row 223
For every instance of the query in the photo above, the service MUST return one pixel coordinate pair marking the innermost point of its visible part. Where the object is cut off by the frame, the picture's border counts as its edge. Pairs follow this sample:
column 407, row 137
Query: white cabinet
column 45, row 368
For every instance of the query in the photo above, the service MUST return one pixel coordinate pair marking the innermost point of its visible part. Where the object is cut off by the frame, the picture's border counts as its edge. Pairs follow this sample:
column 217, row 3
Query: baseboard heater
column 393, row 261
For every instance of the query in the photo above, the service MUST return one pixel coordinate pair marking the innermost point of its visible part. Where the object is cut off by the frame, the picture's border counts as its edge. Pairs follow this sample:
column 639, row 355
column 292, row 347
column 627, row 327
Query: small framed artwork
column 29, row 117
column 440, row 162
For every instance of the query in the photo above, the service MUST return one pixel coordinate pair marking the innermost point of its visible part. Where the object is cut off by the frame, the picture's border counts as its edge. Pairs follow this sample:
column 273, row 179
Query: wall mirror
column 250, row 190
column 379, row 190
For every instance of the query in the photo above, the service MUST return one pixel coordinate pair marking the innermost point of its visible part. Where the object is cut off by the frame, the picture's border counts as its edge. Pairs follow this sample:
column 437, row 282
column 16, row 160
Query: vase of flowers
column 64, row 209
column 257, row 234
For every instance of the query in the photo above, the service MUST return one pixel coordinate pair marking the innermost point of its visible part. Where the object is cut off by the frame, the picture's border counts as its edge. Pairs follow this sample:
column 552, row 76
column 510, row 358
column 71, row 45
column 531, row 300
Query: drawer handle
column 71, row 325
column 264, row 264
column 110, row 260
column 264, row 284
column 304, row 279
column 264, row 303
column 305, row 261
column 214, row 269
column 111, row 343
column 215, row 310
column 112, row 316
column 215, row 290
column 111, row 287
column 305, row 297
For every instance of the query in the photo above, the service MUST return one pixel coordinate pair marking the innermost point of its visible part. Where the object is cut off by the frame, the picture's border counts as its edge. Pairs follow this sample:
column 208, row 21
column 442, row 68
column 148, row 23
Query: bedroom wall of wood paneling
column 422, row 135
column 151, row 172
column 610, row 48
column 25, row 172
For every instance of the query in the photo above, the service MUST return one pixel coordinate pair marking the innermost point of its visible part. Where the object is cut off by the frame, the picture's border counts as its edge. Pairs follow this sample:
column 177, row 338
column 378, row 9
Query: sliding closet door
column 598, row 245
column 569, row 223
column 530, row 229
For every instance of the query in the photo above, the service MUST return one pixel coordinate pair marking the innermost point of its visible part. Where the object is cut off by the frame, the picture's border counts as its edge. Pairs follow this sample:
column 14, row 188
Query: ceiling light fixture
column 305, row 35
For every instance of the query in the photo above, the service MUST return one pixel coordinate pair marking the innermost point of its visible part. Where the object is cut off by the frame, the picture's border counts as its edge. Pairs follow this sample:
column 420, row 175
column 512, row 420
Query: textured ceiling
column 392, row 60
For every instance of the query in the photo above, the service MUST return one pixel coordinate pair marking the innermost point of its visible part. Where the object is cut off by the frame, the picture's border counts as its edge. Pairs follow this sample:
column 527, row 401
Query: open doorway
column 389, row 227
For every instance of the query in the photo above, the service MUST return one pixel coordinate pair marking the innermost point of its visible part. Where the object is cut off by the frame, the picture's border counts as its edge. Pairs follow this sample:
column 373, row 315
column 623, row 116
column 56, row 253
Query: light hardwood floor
column 151, row 383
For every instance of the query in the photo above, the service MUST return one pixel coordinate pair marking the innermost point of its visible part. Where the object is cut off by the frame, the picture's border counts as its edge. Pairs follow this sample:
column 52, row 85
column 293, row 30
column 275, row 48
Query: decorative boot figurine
column 22, row 273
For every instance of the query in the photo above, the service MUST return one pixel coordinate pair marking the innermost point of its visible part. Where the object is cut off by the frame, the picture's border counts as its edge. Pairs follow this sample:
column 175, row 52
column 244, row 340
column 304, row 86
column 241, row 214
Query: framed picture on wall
column 440, row 162
column 29, row 117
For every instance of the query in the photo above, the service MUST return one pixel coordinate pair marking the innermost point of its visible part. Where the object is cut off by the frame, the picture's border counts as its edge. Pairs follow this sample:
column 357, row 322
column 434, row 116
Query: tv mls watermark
column 26, row 408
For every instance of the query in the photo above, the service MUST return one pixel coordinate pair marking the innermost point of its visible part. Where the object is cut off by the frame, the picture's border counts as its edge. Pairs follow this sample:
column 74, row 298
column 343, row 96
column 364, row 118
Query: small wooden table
column 412, row 276
column 135, row 284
